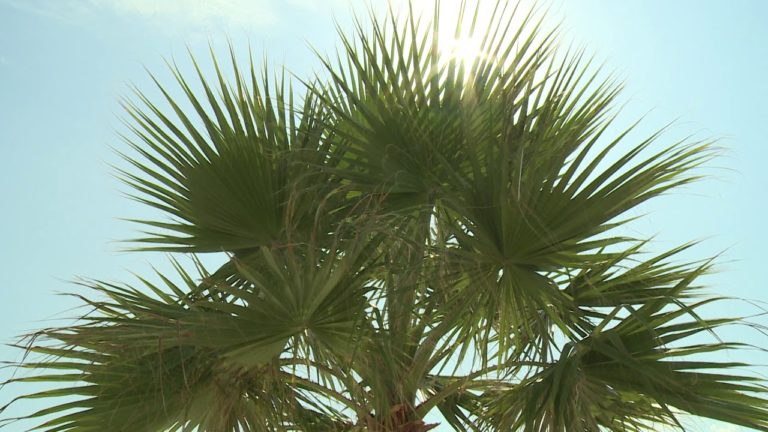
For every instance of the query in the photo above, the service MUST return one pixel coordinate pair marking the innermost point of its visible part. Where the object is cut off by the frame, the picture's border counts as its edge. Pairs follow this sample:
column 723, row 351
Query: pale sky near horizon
column 64, row 64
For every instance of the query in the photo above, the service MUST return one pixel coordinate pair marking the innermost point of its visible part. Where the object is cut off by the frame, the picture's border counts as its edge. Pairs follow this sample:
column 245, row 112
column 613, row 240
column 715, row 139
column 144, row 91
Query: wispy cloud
column 198, row 13
column 315, row 5
column 205, row 12
column 61, row 10
column 174, row 13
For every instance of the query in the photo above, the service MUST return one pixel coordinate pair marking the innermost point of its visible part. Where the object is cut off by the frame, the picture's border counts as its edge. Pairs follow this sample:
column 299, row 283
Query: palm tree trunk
column 398, row 421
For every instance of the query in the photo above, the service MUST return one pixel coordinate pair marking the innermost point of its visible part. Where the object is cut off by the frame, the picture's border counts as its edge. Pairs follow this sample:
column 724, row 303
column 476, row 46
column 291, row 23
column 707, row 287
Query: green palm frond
column 502, row 154
column 237, row 172
column 189, row 357
column 408, row 232
column 628, row 374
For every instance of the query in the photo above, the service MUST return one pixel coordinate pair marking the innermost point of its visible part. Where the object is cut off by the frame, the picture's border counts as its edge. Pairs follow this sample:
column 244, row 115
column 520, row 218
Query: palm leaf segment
column 420, row 233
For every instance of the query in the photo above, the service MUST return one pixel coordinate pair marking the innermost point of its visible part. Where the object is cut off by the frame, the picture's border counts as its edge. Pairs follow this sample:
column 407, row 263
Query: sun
column 464, row 51
column 463, row 26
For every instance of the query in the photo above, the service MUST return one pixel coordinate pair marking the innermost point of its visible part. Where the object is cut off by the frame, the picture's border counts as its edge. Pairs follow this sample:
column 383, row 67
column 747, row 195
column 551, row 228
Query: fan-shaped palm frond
column 194, row 358
column 627, row 374
column 237, row 172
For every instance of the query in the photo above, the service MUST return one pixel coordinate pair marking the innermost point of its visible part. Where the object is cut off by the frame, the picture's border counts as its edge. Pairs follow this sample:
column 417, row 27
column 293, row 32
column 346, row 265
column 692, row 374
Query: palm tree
column 416, row 233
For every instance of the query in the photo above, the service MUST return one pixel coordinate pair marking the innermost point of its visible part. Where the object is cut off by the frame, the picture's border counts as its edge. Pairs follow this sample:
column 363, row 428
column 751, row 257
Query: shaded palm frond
column 236, row 171
column 633, row 372
column 194, row 360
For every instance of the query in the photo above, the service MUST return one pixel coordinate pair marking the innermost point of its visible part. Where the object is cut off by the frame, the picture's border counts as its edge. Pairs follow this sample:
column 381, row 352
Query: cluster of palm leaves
column 414, row 234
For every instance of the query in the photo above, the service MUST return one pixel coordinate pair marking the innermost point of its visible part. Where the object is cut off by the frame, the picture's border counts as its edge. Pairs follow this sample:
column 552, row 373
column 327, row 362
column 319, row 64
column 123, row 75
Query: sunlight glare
column 467, row 48
column 464, row 51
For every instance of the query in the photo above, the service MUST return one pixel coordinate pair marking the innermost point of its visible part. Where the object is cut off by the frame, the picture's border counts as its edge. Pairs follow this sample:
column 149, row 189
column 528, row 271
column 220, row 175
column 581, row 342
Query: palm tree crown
column 418, row 232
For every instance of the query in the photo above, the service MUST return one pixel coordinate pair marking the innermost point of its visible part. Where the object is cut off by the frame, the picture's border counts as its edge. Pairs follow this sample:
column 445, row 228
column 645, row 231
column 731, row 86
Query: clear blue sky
column 65, row 63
